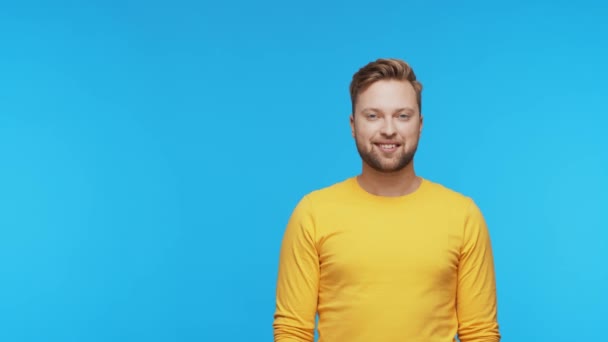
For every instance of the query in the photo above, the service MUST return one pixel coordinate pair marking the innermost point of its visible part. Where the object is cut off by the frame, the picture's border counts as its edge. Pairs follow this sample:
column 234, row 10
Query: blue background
column 152, row 153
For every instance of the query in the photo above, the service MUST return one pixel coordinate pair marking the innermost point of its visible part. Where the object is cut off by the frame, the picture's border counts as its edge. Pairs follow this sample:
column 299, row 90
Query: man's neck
column 390, row 184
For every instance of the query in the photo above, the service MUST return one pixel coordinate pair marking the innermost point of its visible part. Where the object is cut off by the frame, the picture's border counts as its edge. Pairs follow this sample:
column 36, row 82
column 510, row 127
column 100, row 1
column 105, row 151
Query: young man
column 386, row 255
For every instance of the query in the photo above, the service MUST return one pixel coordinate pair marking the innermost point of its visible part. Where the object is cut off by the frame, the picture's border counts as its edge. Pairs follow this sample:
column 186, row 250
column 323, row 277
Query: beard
column 376, row 161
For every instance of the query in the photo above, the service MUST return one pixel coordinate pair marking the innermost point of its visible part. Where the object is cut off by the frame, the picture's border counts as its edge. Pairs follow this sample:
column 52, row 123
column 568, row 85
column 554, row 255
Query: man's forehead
column 397, row 108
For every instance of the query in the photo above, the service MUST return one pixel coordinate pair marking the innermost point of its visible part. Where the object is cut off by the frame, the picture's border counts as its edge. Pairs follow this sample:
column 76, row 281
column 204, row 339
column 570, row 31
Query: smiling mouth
column 388, row 147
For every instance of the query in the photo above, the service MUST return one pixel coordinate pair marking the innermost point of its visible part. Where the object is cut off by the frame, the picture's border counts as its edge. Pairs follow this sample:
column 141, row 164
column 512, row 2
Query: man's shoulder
column 332, row 191
column 447, row 195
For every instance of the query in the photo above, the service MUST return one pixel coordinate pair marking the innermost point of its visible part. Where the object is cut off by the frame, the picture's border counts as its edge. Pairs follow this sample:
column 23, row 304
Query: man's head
column 386, row 119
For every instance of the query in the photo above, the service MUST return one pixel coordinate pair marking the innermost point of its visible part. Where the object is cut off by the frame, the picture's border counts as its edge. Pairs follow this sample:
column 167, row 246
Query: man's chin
column 383, row 164
column 388, row 167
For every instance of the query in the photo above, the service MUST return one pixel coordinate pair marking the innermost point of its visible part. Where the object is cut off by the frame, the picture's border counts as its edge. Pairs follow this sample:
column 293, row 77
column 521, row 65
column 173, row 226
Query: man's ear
column 421, row 123
column 352, row 125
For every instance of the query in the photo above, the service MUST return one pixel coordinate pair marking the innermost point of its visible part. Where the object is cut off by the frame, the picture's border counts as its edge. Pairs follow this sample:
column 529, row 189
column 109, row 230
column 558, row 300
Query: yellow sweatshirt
column 414, row 268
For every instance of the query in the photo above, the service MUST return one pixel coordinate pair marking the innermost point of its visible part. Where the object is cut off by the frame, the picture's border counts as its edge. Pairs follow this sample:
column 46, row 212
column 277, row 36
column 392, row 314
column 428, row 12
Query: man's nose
column 388, row 128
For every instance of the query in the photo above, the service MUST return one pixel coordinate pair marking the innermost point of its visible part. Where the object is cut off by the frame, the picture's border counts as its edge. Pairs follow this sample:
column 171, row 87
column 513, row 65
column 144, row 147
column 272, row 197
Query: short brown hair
column 384, row 69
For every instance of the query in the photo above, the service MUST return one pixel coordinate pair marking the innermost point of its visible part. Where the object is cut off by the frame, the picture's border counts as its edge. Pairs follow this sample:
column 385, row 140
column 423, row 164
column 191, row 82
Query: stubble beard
column 378, row 163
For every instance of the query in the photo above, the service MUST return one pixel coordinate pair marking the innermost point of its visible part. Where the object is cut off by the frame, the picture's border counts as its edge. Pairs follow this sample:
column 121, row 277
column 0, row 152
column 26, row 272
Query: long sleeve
column 476, row 295
column 298, row 278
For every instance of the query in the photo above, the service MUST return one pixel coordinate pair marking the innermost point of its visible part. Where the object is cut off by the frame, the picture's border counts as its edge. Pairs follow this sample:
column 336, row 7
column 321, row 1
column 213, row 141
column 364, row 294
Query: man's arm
column 298, row 278
column 476, row 297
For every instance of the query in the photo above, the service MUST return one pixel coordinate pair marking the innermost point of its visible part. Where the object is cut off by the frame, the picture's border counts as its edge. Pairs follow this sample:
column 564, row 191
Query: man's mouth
column 387, row 147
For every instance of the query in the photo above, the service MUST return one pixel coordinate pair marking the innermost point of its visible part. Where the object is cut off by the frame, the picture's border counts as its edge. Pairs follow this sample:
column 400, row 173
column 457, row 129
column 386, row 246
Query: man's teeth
column 388, row 146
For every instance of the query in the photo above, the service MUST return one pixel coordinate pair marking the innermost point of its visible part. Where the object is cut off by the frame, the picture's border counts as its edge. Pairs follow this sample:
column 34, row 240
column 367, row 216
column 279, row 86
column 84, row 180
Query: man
column 386, row 255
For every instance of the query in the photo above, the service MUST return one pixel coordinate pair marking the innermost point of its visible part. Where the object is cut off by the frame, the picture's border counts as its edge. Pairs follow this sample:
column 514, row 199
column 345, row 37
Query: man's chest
column 398, row 251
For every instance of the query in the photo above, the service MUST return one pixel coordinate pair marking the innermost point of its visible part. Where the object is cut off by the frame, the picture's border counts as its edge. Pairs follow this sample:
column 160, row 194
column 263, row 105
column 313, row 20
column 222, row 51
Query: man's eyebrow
column 405, row 109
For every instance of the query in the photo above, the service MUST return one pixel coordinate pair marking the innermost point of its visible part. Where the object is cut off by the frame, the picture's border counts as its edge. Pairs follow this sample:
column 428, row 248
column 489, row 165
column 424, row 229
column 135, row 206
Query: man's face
column 386, row 125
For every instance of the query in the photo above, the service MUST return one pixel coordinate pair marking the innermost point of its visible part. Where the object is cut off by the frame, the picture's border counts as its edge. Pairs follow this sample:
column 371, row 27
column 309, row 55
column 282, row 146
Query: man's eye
column 372, row 116
column 403, row 116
